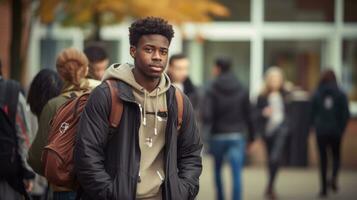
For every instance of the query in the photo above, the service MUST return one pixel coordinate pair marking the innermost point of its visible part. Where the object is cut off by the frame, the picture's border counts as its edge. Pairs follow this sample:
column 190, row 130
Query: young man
column 146, row 156
column 98, row 61
column 178, row 72
column 227, row 110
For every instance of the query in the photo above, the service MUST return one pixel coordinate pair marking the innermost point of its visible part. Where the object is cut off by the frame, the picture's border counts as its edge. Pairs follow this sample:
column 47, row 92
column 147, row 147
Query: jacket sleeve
column 345, row 113
column 22, row 130
column 247, row 110
column 40, row 141
column 89, row 148
column 189, row 146
column 258, row 115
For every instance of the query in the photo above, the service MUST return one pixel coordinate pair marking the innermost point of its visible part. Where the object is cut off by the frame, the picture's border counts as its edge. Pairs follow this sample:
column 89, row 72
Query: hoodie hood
column 226, row 83
column 124, row 72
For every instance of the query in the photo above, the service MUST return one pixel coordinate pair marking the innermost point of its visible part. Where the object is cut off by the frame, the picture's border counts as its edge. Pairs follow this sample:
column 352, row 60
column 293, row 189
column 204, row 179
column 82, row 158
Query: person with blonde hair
column 72, row 67
column 272, row 122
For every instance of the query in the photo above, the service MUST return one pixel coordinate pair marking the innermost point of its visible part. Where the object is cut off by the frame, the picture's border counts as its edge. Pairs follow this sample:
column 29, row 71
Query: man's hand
column 28, row 185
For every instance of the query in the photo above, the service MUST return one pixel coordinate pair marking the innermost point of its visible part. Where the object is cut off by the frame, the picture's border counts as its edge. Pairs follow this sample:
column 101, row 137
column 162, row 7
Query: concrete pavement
column 292, row 183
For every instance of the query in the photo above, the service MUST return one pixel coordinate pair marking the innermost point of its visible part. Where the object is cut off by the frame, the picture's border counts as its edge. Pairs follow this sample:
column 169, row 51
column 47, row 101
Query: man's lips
column 157, row 68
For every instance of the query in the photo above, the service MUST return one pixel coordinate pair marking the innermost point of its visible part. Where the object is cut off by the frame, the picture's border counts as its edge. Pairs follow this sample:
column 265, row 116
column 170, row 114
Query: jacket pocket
column 180, row 189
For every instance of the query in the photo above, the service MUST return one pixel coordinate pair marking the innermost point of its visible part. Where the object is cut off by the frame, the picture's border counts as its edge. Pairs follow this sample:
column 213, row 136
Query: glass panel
column 239, row 9
column 49, row 50
column 239, row 52
column 300, row 61
column 299, row 10
column 350, row 10
column 349, row 70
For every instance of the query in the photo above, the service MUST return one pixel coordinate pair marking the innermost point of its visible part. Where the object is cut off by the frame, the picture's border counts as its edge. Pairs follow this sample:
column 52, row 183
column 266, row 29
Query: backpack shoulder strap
column 117, row 105
column 179, row 100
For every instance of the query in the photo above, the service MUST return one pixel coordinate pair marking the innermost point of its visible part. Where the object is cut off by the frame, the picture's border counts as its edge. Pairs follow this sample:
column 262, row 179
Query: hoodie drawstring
column 156, row 103
column 144, row 119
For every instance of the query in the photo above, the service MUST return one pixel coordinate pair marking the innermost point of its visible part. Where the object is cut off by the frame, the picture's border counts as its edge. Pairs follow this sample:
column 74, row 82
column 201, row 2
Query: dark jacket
column 227, row 107
column 333, row 120
column 107, row 159
column 192, row 93
column 261, row 120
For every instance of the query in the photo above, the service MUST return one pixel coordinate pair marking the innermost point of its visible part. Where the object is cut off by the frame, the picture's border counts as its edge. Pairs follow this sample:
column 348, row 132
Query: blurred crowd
column 229, row 119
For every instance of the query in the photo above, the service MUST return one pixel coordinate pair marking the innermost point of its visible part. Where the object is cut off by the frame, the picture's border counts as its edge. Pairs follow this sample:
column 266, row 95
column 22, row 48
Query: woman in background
column 330, row 115
column 72, row 67
column 272, row 122
column 45, row 86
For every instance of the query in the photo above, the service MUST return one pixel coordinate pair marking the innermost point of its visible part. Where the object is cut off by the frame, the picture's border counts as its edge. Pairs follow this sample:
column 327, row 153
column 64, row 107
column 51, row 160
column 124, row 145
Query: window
column 239, row 10
column 350, row 10
column 49, row 50
column 349, row 70
column 299, row 60
column 299, row 10
column 238, row 52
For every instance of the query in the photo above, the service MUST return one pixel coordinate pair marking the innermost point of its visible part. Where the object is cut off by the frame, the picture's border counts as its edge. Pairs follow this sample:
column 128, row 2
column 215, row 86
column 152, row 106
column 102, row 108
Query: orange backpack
column 57, row 156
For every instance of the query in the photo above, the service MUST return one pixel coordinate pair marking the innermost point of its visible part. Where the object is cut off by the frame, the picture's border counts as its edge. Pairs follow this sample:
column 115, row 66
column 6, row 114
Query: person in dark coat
column 272, row 123
column 146, row 156
column 330, row 115
column 227, row 111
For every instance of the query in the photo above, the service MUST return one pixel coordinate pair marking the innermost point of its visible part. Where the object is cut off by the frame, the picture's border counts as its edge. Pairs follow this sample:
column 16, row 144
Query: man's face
column 150, row 55
column 178, row 70
column 98, row 69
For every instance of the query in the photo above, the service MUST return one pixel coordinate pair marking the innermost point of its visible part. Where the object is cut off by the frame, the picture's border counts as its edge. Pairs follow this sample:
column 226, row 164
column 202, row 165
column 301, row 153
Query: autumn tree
column 97, row 13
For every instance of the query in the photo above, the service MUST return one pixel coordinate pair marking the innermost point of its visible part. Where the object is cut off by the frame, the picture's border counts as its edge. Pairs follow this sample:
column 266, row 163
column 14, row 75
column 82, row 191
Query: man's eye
column 148, row 50
column 163, row 52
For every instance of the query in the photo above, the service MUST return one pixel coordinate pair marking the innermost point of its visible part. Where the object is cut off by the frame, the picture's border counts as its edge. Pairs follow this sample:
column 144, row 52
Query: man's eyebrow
column 153, row 46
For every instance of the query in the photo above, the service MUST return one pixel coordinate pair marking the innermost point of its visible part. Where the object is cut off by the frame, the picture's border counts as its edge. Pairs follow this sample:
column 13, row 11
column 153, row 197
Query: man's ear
column 132, row 51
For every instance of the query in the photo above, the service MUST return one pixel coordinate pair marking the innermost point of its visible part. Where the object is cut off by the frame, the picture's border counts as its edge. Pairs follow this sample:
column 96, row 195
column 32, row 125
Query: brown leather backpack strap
column 117, row 105
column 179, row 100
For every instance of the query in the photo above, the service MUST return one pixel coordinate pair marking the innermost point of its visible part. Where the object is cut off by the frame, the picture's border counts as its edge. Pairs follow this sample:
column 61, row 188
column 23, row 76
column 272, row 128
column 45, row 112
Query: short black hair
column 224, row 64
column 95, row 53
column 176, row 57
column 148, row 26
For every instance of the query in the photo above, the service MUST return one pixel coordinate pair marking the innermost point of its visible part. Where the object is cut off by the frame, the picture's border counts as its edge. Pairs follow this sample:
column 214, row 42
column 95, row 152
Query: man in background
column 178, row 71
column 98, row 61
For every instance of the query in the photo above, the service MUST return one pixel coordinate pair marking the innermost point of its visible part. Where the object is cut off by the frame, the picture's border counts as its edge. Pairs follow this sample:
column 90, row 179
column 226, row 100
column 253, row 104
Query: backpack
column 57, row 156
column 9, row 159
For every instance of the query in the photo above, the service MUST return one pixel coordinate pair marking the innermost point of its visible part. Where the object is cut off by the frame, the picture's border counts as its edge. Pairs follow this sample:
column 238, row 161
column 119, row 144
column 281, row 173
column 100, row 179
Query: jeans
column 64, row 195
column 232, row 147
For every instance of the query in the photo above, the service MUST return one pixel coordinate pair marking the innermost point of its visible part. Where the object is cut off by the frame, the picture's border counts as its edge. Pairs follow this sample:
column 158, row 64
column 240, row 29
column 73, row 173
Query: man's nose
column 156, row 55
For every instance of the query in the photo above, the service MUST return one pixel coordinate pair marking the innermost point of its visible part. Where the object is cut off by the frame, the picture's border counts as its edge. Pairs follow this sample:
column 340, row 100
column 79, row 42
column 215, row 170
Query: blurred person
column 272, row 108
column 178, row 71
column 46, row 85
column 16, row 177
column 72, row 67
column 330, row 116
column 148, row 156
column 98, row 61
column 228, row 111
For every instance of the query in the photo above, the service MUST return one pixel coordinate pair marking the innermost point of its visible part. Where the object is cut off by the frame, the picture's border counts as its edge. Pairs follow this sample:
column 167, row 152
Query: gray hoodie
column 153, row 107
